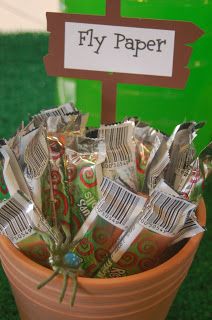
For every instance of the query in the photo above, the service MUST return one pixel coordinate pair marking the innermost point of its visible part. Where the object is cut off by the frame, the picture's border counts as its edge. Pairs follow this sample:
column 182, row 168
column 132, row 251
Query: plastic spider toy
column 62, row 262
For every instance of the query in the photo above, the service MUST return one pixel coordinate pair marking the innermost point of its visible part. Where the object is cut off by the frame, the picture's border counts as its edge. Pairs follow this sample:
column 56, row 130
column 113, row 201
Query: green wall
column 162, row 107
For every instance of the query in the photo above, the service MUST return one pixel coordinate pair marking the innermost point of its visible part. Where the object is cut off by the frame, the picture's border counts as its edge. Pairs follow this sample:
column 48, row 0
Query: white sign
column 119, row 49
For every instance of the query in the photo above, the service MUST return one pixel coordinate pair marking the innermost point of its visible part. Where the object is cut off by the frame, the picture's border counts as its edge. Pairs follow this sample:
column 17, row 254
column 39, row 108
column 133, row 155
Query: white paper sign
column 119, row 49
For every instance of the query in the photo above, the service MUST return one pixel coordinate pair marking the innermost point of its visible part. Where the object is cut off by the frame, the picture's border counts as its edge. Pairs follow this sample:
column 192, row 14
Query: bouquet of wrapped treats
column 99, row 202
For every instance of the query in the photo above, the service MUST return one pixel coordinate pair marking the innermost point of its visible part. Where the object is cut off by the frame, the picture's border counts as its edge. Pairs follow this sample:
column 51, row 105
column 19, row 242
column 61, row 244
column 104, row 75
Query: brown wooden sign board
column 184, row 33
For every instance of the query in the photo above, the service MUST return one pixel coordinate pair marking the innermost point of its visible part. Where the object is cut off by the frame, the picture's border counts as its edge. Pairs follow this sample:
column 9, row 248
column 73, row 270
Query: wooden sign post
column 114, row 50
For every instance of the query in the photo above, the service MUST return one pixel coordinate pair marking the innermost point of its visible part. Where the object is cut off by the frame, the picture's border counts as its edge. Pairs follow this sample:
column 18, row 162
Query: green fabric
column 25, row 88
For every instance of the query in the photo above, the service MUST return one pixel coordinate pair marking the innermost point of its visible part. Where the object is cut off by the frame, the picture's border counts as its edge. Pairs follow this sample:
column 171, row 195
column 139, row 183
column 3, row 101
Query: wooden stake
column 108, row 115
column 113, row 9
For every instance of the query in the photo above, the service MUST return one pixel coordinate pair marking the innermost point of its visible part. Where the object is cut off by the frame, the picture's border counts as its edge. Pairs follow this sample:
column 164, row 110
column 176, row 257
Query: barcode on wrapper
column 63, row 110
column 190, row 229
column 156, row 171
column 36, row 155
column 13, row 218
column 118, row 140
column 118, row 206
column 165, row 213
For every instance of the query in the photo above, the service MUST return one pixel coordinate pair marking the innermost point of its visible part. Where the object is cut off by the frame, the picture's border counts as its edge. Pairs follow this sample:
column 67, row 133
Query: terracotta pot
column 146, row 296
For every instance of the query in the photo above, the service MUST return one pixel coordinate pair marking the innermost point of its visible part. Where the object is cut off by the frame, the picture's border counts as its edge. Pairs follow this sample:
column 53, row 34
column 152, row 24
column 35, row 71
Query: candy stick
column 113, row 214
column 141, row 246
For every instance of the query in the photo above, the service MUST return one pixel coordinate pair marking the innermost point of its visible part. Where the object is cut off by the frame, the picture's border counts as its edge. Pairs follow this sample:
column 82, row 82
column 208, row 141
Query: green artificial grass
column 25, row 88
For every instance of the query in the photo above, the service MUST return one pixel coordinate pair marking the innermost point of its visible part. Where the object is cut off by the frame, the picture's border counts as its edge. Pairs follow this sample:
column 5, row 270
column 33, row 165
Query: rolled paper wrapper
column 83, row 171
column 120, row 152
column 18, row 218
column 146, row 139
column 182, row 153
column 171, row 156
column 56, row 198
column 49, row 186
column 140, row 247
column 108, row 220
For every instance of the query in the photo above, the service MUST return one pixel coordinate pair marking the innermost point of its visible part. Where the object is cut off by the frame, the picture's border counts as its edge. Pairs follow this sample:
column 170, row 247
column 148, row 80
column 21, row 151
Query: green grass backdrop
column 25, row 89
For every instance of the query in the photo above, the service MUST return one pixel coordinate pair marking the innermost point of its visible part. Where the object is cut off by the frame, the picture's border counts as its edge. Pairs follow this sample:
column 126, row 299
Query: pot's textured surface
column 146, row 296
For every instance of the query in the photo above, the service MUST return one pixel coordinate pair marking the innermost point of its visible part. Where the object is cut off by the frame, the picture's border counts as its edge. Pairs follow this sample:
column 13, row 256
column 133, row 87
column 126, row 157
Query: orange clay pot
column 146, row 296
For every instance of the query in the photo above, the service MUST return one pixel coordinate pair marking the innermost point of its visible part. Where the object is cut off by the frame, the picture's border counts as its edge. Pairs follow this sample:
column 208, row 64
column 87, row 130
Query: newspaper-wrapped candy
column 120, row 152
column 112, row 215
column 82, row 162
column 140, row 247
column 18, row 220
column 146, row 139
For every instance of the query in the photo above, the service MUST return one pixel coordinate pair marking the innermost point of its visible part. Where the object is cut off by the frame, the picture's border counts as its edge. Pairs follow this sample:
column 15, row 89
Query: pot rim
column 185, row 253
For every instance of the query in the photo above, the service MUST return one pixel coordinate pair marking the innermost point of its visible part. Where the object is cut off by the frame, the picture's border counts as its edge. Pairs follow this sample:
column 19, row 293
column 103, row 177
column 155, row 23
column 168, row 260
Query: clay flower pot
column 147, row 295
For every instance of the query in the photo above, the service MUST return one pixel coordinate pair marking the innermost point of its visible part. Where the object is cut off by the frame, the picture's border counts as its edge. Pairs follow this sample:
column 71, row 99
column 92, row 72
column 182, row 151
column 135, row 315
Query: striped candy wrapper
column 18, row 218
column 120, row 152
column 82, row 164
column 142, row 245
column 108, row 220
column 147, row 141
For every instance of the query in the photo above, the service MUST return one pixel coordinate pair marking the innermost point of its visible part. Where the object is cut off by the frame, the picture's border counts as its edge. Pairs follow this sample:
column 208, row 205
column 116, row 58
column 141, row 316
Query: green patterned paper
column 55, row 199
column 82, row 181
column 95, row 245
